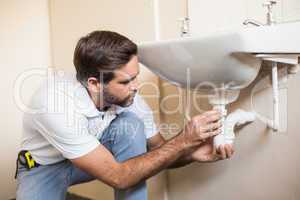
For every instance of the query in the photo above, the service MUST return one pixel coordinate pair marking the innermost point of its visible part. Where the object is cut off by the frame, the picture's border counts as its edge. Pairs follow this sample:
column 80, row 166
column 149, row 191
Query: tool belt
column 25, row 159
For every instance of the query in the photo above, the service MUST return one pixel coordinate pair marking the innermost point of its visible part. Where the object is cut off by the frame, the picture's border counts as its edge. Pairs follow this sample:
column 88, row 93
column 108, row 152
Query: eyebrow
column 130, row 79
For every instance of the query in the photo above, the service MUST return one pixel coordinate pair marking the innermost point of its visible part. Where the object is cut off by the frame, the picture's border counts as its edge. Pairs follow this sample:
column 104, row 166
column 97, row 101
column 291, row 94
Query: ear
column 94, row 85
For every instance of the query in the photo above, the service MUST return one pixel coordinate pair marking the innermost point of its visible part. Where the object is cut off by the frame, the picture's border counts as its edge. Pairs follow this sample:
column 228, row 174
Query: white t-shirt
column 63, row 122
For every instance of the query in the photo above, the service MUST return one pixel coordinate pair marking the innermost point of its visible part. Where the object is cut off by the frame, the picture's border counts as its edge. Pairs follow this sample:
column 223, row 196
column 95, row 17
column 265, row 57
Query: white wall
column 24, row 44
column 266, row 164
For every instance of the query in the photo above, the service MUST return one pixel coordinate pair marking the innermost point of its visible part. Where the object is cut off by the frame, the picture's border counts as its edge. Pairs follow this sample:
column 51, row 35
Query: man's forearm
column 185, row 159
column 142, row 167
column 101, row 164
column 182, row 161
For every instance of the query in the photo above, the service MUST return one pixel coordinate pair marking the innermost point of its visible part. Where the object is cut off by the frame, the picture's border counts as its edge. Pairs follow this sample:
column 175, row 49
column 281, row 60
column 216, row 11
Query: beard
column 113, row 100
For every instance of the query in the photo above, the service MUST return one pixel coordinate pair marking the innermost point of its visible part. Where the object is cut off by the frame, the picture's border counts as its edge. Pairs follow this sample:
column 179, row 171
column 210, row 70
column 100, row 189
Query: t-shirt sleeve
column 69, row 136
column 144, row 112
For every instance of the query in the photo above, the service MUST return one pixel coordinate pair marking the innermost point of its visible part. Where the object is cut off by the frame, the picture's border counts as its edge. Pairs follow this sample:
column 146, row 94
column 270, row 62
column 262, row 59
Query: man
column 95, row 126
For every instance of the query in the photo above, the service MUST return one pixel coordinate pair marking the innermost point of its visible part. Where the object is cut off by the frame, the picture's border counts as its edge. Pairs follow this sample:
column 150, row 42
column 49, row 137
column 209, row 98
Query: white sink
column 227, row 59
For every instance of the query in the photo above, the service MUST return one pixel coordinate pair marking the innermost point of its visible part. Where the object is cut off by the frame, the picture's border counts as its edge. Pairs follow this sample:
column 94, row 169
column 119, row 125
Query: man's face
column 123, row 87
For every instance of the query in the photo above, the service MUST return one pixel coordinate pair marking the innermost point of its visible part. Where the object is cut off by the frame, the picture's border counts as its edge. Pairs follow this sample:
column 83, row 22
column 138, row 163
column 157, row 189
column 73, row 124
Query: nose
column 134, row 85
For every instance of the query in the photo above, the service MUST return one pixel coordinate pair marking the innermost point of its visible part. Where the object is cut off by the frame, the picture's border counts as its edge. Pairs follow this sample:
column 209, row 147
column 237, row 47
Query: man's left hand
column 207, row 153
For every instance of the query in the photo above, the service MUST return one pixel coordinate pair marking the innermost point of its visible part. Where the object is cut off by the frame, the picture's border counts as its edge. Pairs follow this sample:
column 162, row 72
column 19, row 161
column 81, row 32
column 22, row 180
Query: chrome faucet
column 270, row 17
column 185, row 26
column 253, row 22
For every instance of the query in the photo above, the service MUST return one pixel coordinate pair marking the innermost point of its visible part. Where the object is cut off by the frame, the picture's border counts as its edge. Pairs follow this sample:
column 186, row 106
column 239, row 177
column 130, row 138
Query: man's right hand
column 200, row 128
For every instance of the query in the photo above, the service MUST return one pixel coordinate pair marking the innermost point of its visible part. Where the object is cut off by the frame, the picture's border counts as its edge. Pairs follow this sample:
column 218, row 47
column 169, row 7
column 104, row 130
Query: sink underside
column 221, row 60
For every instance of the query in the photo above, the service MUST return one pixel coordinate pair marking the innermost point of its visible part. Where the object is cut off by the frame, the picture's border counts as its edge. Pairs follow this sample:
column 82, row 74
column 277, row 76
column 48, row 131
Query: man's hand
column 207, row 153
column 201, row 128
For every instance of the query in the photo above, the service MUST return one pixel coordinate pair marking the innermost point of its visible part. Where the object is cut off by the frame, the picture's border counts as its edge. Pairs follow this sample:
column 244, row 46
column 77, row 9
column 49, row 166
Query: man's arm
column 101, row 163
column 157, row 141
column 202, row 153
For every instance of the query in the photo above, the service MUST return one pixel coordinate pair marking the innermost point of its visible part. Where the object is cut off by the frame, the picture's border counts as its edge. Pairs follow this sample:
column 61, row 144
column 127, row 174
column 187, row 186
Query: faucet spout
column 270, row 18
column 253, row 22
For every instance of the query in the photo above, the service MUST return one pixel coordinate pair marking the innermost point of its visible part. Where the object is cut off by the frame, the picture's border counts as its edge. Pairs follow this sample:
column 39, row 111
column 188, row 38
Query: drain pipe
column 275, row 122
column 236, row 118
column 220, row 139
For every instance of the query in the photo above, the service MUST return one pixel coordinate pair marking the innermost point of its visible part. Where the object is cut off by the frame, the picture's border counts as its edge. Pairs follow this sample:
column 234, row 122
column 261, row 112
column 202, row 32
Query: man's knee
column 128, row 135
column 128, row 126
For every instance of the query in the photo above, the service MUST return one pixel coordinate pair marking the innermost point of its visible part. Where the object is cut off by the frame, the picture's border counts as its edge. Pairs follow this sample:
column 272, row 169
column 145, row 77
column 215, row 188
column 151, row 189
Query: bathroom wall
column 265, row 164
column 24, row 45
column 134, row 18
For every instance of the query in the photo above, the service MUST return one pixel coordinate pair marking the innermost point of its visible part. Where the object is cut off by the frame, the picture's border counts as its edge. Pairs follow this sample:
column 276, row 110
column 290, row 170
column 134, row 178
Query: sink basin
column 221, row 60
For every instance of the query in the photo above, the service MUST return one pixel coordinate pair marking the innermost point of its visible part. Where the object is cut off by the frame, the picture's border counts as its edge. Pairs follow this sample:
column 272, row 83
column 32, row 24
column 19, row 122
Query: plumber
column 94, row 125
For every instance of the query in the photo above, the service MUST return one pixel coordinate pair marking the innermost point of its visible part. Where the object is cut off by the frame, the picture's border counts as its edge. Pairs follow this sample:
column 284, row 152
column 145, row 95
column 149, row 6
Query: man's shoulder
column 55, row 91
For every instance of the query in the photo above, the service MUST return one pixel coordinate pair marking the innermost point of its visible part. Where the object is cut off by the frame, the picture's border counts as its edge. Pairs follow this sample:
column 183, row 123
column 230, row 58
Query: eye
column 125, row 82
column 128, row 81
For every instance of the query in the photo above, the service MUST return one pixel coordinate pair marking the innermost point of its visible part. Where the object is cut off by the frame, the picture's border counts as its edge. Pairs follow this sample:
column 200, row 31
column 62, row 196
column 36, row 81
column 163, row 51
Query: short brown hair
column 99, row 53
